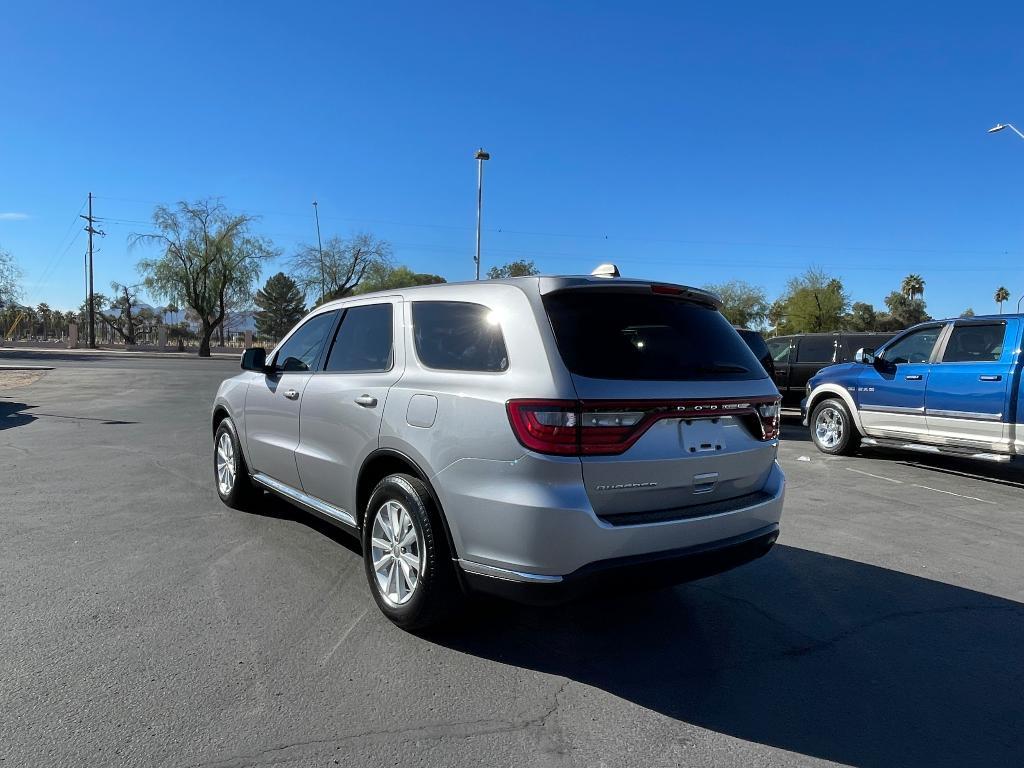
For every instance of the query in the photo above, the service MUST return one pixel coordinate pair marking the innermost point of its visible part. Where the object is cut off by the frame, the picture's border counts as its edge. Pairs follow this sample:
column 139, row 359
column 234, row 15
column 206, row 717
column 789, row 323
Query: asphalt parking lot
column 146, row 624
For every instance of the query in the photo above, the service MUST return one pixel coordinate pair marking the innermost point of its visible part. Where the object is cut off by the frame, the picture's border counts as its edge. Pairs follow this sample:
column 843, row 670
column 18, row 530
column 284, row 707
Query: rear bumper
column 530, row 522
column 659, row 569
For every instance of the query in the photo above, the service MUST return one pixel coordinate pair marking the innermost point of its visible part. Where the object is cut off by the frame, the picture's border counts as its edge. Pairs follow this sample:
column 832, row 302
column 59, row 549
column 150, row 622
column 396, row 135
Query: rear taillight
column 590, row 428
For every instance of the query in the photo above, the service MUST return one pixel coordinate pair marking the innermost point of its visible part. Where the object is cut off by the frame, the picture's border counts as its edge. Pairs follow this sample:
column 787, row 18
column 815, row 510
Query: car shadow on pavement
column 803, row 651
column 14, row 414
column 792, row 431
column 269, row 505
column 990, row 472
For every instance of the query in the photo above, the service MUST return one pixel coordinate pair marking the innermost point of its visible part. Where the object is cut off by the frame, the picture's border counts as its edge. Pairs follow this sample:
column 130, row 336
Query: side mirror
column 254, row 359
column 865, row 356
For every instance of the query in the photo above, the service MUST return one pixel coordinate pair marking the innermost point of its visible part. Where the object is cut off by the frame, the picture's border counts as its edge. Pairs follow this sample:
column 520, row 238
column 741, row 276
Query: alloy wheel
column 829, row 426
column 225, row 461
column 396, row 553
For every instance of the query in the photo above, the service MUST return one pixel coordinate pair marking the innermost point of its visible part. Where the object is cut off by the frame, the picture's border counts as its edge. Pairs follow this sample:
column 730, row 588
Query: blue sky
column 686, row 142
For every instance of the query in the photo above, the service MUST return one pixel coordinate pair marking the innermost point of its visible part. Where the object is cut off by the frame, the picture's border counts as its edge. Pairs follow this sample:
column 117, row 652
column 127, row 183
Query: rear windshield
column 645, row 337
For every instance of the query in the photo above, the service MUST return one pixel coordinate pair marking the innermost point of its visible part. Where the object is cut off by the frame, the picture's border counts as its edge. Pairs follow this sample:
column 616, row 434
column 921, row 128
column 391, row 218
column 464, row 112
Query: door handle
column 915, row 377
column 292, row 394
column 990, row 377
column 367, row 401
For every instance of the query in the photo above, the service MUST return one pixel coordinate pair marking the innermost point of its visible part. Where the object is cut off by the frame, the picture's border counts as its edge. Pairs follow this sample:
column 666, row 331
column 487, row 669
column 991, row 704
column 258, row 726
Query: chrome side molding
column 503, row 573
column 311, row 503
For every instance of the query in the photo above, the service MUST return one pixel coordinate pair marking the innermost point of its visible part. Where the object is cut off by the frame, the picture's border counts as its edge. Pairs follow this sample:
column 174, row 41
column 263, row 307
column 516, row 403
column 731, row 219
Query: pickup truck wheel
column 832, row 429
column 405, row 555
column 230, row 474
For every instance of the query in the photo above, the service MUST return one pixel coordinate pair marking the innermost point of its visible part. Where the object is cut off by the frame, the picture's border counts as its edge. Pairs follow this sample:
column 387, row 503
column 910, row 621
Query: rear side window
column 363, row 343
column 646, row 337
column 816, row 349
column 458, row 336
column 303, row 347
column 975, row 344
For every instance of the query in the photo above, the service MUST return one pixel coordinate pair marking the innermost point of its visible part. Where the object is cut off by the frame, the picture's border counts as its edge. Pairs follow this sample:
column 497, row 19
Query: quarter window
column 915, row 347
column 302, row 349
column 975, row 344
column 363, row 343
column 458, row 336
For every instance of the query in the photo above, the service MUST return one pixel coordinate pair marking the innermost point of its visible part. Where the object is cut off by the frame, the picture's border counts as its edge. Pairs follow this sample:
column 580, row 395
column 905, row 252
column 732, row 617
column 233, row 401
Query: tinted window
column 816, row 349
column 364, row 340
column 640, row 336
column 975, row 344
column 914, row 348
column 458, row 336
column 303, row 347
column 779, row 349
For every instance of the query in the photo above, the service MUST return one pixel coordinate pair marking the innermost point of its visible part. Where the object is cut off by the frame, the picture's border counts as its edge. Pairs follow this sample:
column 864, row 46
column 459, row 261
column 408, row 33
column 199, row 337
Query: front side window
column 975, row 344
column 817, row 349
column 915, row 347
column 779, row 349
column 302, row 349
column 364, row 341
column 458, row 336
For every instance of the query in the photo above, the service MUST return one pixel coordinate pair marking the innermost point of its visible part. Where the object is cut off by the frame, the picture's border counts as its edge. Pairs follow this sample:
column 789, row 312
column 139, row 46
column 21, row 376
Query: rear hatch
column 676, row 416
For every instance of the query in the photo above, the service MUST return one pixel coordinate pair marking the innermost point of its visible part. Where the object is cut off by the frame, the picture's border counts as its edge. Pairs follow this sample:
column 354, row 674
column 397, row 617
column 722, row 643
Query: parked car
column 760, row 349
column 949, row 386
column 798, row 357
column 529, row 437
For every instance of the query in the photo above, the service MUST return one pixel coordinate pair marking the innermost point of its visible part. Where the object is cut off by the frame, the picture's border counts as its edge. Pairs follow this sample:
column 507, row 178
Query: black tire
column 832, row 428
column 436, row 594
column 242, row 491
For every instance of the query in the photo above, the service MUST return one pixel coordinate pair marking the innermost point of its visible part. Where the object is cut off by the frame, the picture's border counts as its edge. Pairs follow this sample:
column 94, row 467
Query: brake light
column 606, row 428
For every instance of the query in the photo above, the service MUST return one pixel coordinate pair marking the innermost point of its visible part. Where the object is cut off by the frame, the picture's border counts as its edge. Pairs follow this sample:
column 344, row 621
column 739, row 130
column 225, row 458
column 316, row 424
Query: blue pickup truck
column 945, row 386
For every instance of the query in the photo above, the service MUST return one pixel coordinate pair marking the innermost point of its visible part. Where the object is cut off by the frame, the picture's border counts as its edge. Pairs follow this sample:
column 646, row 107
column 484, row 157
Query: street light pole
column 1002, row 126
column 320, row 246
column 480, row 157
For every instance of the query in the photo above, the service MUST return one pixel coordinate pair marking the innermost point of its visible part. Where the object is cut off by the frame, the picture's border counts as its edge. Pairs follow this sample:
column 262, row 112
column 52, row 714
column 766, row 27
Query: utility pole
column 92, row 309
column 320, row 245
column 480, row 156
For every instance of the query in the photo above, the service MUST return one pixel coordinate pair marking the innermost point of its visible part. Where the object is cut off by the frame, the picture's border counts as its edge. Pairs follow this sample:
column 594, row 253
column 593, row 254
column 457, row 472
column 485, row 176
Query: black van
column 798, row 357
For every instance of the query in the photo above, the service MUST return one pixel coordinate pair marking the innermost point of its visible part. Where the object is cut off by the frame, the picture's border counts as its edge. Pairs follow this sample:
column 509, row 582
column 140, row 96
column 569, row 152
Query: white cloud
column 13, row 216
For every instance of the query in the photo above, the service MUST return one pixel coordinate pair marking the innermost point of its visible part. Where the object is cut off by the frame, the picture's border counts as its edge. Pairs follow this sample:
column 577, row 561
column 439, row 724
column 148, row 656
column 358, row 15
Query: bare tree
column 345, row 264
column 209, row 257
column 123, row 323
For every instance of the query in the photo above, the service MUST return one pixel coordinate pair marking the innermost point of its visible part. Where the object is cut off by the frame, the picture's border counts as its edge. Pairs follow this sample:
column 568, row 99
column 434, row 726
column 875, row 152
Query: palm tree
column 913, row 285
column 44, row 312
column 1001, row 295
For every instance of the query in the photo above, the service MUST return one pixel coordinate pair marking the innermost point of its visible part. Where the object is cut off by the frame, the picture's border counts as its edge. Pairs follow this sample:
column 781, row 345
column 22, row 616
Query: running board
column 304, row 500
column 944, row 450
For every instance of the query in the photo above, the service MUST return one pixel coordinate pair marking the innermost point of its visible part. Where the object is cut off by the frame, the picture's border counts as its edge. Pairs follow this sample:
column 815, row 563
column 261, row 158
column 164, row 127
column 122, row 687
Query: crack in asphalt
column 428, row 731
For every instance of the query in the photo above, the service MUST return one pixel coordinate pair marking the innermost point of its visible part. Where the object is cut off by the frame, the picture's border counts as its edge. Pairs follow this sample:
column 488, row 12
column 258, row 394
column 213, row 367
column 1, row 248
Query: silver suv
column 526, row 437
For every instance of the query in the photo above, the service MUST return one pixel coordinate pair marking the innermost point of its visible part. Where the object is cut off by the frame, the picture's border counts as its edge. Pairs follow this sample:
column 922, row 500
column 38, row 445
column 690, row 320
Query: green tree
column 518, row 268
column 9, row 277
column 743, row 304
column 903, row 312
column 912, row 286
column 345, row 264
column 45, row 315
column 120, row 318
column 1001, row 295
column 382, row 277
column 813, row 302
column 862, row 317
column 210, row 256
column 967, row 313
column 280, row 306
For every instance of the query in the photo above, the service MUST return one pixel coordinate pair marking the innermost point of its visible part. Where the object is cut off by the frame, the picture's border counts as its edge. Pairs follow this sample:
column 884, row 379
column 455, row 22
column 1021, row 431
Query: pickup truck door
column 890, row 394
column 967, row 401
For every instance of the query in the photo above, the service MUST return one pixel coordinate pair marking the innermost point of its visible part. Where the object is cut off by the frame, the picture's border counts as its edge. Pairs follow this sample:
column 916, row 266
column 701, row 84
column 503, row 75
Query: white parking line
column 939, row 490
column 877, row 477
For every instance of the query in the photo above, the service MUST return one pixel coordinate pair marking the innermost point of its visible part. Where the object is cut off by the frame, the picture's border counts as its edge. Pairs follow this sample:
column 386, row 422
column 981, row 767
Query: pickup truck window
column 975, row 344
column 817, row 349
column 914, row 348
